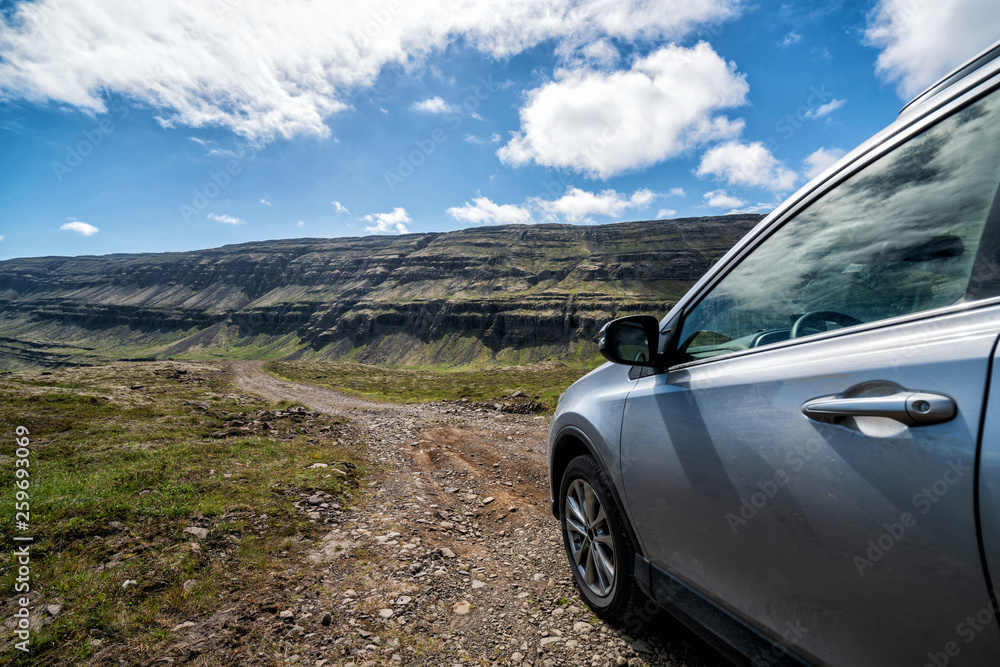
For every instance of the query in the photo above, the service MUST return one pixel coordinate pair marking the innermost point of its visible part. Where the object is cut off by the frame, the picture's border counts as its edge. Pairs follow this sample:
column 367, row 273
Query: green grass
column 543, row 382
column 117, row 475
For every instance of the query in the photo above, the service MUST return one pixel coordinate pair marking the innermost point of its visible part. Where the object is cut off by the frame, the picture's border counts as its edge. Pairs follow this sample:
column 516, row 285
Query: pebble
column 200, row 533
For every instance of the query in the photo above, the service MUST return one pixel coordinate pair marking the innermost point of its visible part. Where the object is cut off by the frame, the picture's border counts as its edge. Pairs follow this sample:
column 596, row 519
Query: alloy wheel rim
column 591, row 544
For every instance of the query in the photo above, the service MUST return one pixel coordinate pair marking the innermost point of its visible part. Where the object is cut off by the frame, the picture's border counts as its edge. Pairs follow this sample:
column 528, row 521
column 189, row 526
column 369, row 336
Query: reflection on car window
column 896, row 238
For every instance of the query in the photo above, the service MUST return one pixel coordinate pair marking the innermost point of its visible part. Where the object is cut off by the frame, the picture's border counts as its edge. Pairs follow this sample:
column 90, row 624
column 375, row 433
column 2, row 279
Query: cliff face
column 509, row 292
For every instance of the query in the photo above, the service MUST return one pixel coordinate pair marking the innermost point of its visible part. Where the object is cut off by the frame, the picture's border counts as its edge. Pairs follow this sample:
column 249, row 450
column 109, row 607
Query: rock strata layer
column 450, row 297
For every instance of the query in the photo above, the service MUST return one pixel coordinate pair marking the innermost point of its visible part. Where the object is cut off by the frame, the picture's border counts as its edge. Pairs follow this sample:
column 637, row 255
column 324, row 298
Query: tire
column 600, row 552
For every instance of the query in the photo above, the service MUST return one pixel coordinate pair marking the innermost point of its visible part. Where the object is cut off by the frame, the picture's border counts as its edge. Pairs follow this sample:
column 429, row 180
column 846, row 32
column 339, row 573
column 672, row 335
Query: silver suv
column 802, row 459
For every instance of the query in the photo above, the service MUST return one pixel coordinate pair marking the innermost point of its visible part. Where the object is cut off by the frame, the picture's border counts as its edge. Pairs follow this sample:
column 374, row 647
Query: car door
column 809, row 460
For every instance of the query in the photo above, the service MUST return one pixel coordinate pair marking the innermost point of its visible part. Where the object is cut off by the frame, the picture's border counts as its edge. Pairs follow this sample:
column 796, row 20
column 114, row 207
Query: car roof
column 977, row 62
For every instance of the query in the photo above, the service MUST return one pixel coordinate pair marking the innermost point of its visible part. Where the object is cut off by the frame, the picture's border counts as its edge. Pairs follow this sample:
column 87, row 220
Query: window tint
column 898, row 237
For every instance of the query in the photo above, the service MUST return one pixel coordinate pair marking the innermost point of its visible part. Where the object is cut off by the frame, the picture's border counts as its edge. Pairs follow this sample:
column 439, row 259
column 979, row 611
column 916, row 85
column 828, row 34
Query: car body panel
column 988, row 479
column 591, row 411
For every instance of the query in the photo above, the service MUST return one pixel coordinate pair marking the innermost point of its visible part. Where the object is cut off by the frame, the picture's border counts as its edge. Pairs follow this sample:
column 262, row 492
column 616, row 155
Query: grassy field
column 543, row 382
column 124, row 458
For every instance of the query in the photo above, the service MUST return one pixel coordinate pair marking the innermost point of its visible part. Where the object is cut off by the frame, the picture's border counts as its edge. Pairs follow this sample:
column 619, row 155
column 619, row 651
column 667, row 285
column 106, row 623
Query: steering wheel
column 818, row 317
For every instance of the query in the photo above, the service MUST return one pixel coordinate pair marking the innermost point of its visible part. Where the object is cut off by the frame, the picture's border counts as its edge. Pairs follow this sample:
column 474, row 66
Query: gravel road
column 452, row 550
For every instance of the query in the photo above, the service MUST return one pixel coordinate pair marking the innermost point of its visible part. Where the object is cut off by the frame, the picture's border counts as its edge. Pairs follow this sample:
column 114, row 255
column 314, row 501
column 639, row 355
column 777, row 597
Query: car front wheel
column 600, row 553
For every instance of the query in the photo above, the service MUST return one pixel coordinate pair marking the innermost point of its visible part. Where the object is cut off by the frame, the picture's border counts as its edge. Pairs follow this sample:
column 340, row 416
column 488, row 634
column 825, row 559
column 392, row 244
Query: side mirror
column 631, row 341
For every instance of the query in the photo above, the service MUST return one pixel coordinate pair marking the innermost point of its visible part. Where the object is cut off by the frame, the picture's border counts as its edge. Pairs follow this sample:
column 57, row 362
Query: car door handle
column 913, row 408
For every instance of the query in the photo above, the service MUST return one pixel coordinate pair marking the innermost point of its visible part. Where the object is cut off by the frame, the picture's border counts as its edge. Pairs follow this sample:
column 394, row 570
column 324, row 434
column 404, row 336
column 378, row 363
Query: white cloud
column 479, row 141
column 602, row 53
column 388, row 223
column 578, row 205
column 476, row 140
column 664, row 213
column 719, row 199
column 228, row 219
column 602, row 124
column 676, row 192
column 263, row 201
column 340, row 208
column 754, row 208
column 432, row 105
column 1, row 238
column 80, row 228
column 817, row 162
column 483, row 211
column 746, row 164
column 574, row 206
column 301, row 224
column 826, row 109
column 266, row 69
column 789, row 39
column 922, row 41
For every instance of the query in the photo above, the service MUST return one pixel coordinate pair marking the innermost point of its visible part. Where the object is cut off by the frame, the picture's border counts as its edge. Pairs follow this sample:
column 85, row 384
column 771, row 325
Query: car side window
column 898, row 237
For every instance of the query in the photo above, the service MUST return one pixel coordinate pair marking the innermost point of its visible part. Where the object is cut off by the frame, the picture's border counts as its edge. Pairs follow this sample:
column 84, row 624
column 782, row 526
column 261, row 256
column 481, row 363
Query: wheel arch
column 569, row 444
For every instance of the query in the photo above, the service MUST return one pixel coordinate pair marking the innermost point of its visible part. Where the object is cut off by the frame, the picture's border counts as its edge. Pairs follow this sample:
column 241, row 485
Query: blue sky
column 138, row 127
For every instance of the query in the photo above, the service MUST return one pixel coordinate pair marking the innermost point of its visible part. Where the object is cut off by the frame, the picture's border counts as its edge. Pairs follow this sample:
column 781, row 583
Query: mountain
column 510, row 293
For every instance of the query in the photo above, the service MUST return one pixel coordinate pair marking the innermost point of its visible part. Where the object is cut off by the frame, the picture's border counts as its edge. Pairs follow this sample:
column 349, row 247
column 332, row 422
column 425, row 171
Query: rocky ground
column 451, row 556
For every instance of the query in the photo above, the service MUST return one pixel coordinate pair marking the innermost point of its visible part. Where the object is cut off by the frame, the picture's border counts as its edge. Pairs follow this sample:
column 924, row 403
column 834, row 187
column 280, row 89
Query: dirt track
column 454, row 549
